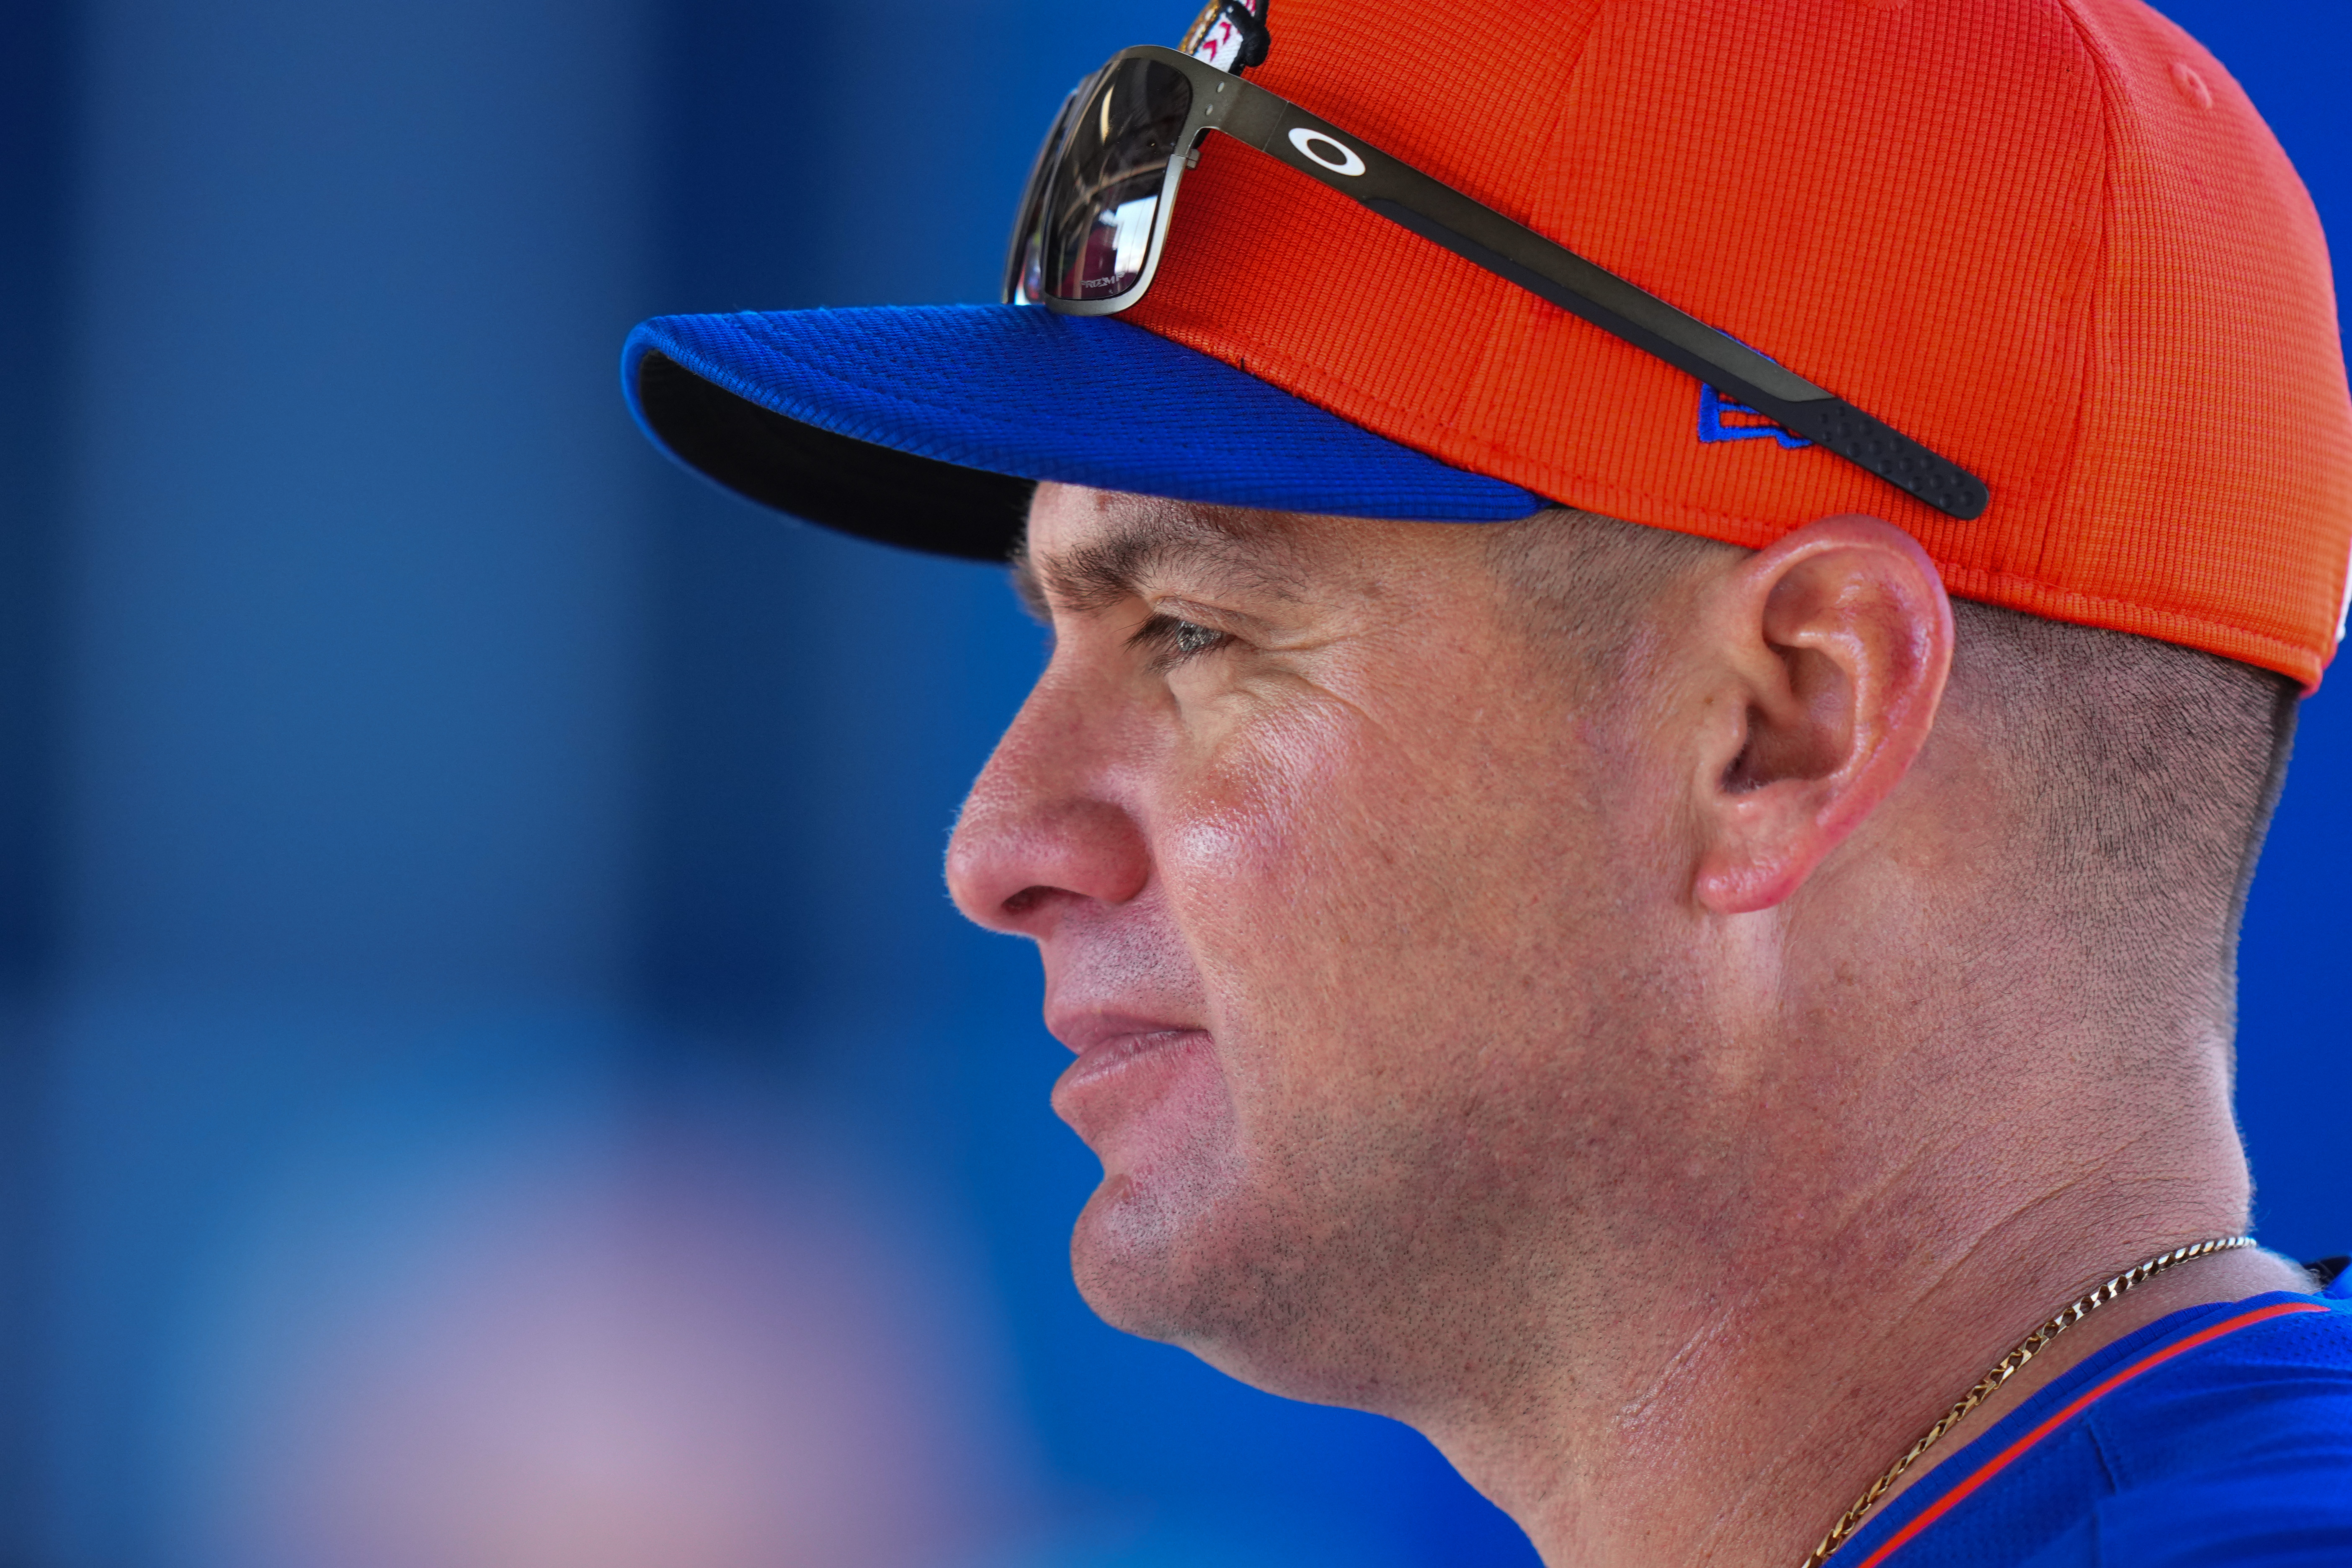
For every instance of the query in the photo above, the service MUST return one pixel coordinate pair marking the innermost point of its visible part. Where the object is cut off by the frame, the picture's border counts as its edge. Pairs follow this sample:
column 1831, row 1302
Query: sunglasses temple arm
column 1445, row 217
column 1836, row 425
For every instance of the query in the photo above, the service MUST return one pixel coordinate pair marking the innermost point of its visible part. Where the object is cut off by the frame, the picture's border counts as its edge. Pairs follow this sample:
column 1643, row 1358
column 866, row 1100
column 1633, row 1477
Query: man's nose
column 1044, row 826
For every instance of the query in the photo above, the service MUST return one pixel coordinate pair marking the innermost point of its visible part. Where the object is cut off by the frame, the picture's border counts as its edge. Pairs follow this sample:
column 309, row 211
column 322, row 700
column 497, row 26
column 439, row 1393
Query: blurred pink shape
column 650, row 1365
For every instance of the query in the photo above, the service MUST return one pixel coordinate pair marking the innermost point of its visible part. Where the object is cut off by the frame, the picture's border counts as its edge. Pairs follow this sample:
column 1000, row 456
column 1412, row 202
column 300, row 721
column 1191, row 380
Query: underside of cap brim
column 928, row 426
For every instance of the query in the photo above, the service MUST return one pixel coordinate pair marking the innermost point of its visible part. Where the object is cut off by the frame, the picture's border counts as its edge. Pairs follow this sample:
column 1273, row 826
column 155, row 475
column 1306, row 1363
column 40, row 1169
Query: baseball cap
column 2051, row 239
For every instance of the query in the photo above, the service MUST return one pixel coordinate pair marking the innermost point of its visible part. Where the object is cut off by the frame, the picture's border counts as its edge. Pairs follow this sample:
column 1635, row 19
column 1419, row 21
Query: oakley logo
column 1335, row 156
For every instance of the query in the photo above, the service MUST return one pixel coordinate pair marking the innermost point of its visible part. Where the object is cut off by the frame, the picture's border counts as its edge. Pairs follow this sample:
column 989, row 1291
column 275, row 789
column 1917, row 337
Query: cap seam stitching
column 2070, row 467
column 1474, row 386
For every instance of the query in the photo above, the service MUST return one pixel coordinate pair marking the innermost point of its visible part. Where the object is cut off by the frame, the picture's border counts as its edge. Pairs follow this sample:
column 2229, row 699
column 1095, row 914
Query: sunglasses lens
column 1101, row 201
column 1023, row 266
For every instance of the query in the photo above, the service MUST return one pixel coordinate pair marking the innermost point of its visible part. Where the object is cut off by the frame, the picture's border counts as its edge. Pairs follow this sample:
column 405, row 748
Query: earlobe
column 1830, row 650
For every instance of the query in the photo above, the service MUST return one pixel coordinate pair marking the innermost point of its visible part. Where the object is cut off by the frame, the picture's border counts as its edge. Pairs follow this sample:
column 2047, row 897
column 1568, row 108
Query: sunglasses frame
column 1479, row 235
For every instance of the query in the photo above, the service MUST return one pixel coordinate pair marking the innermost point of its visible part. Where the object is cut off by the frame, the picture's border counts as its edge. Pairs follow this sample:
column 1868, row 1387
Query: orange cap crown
column 2050, row 238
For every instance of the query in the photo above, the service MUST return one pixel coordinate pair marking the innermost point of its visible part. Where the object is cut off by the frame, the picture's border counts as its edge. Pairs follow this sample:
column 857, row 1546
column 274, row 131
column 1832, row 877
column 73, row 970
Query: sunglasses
column 1094, row 220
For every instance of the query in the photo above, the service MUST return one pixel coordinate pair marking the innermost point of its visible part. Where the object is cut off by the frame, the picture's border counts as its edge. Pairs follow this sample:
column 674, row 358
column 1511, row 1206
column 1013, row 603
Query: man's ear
column 1825, row 657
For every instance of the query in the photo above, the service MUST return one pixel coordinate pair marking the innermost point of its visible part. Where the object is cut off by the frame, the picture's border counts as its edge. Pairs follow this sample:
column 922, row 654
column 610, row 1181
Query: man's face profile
column 1369, row 895
column 1505, row 964
column 1269, row 796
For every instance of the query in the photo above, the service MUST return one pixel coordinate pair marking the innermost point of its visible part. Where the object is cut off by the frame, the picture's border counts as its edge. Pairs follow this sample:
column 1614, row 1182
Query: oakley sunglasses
column 1095, row 218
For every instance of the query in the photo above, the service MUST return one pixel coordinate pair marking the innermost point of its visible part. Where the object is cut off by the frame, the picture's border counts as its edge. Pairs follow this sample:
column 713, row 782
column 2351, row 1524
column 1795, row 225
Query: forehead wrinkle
column 1117, row 563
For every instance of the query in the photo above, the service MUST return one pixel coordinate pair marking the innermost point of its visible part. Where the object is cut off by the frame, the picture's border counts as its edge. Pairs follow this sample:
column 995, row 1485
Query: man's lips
column 1121, row 1060
column 1087, row 1029
column 1118, row 1052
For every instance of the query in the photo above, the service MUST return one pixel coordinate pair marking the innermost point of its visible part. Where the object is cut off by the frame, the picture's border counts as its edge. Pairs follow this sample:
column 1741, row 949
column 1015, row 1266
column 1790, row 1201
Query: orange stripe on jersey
column 2017, row 1450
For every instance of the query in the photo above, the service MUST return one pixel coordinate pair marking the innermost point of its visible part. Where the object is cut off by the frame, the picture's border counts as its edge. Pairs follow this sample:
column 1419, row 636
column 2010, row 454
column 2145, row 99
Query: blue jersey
column 2220, row 1434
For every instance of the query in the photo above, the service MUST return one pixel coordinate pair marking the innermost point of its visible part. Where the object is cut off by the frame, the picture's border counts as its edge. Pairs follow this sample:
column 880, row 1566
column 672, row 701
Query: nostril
column 1014, row 862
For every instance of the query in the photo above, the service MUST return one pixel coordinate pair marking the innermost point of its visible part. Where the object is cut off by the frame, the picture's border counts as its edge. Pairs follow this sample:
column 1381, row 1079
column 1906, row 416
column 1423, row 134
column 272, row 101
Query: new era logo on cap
column 1721, row 419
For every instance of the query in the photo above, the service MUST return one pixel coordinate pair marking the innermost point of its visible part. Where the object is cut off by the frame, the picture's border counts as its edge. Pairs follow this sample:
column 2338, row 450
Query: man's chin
column 1168, row 1256
column 1190, row 1268
column 1145, row 1248
column 1127, row 1255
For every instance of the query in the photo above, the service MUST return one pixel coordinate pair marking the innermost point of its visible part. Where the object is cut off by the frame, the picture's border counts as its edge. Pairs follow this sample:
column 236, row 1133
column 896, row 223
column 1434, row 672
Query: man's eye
column 1172, row 641
column 1188, row 638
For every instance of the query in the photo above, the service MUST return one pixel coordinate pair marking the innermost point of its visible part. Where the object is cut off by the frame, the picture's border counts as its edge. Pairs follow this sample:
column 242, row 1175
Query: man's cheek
column 1250, row 825
column 1264, row 861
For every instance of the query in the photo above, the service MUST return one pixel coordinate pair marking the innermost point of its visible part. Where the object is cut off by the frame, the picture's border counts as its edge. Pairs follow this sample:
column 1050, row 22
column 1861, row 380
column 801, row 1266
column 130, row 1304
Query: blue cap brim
column 929, row 425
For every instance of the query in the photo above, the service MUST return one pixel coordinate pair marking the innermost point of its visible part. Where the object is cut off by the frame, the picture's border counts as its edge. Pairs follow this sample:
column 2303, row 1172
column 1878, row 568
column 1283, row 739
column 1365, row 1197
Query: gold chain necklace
column 2006, row 1368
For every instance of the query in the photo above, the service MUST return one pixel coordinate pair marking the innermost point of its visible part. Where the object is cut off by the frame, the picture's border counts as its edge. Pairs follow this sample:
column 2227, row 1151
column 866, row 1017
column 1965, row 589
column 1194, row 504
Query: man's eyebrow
column 1116, row 564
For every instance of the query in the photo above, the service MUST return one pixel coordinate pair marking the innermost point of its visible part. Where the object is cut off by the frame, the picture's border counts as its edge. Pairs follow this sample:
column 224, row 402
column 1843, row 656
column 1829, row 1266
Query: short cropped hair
column 2150, row 770
column 2143, row 771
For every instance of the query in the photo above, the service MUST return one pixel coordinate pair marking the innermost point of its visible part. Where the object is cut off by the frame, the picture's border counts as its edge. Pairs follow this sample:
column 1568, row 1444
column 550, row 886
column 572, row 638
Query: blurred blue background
column 490, row 1075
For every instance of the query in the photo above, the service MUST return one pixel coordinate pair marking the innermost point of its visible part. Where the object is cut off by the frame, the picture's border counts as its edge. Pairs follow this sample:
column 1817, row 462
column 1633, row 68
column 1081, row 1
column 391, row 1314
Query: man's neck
column 1743, row 1420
